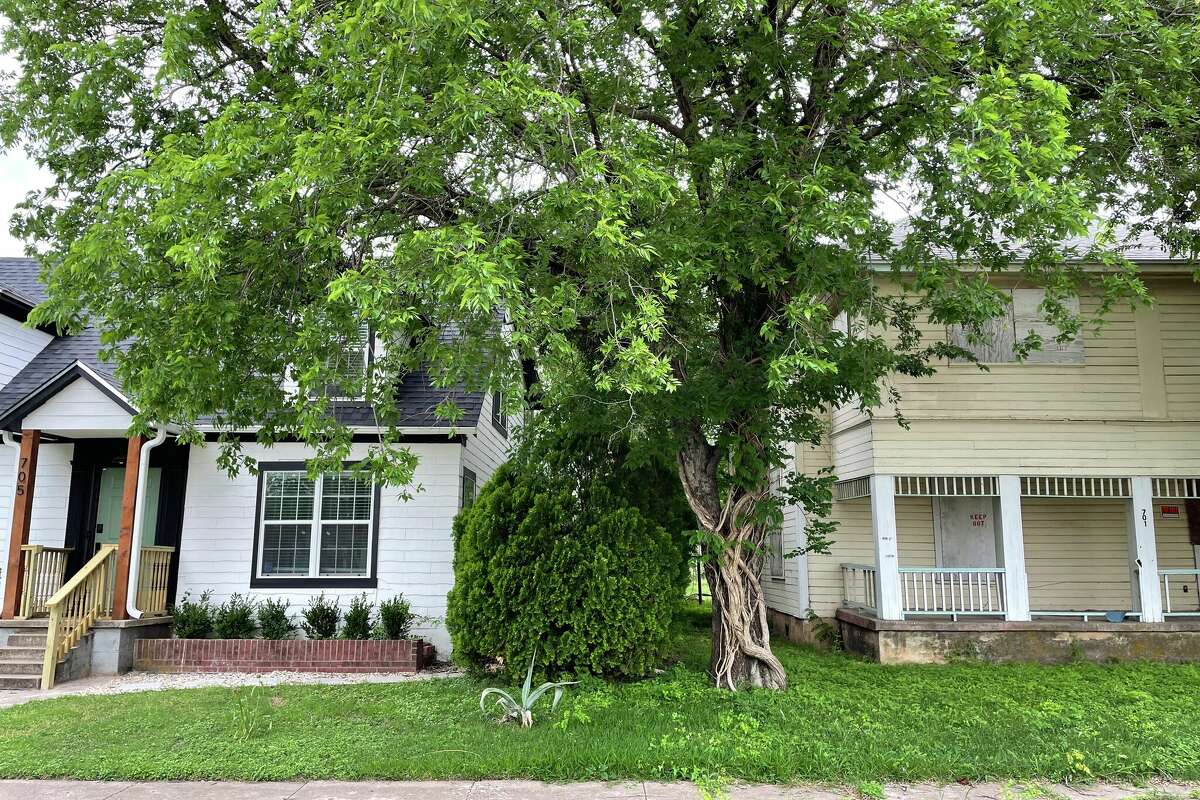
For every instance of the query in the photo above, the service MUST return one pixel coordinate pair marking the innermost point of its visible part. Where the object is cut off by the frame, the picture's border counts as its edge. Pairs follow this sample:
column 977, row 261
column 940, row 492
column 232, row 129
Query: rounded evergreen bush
column 560, row 557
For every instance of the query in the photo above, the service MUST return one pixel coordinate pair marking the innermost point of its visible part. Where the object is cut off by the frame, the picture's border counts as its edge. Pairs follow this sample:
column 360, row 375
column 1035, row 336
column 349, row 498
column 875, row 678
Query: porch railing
column 1182, row 579
column 859, row 585
column 952, row 591
column 45, row 568
column 76, row 606
column 154, row 571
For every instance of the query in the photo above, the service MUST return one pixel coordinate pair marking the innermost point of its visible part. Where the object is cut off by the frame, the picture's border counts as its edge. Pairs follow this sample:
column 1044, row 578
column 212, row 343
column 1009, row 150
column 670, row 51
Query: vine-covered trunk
column 741, row 640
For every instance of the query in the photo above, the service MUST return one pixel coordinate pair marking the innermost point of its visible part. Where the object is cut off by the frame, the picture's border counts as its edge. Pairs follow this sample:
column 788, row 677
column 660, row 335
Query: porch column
column 888, row 603
column 126, row 541
column 1012, row 545
column 1143, row 550
column 21, row 514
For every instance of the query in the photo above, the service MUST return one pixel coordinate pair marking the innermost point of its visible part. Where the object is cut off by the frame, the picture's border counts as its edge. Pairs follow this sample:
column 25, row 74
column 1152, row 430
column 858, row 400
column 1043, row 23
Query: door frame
column 93, row 455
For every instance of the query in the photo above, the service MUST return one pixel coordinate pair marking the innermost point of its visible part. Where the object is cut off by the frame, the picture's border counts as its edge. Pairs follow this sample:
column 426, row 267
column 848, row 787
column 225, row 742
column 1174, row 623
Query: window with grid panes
column 315, row 528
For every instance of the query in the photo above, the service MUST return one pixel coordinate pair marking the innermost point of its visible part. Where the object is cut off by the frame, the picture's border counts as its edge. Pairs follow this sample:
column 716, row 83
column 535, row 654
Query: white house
column 79, row 488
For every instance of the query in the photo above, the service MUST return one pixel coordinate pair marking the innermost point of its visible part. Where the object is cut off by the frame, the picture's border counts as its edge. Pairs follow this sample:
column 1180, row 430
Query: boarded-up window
column 997, row 345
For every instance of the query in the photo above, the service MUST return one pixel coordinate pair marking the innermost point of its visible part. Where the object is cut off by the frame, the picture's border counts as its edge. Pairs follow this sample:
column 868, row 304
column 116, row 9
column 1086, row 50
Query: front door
column 108, row 506
column 966, row 532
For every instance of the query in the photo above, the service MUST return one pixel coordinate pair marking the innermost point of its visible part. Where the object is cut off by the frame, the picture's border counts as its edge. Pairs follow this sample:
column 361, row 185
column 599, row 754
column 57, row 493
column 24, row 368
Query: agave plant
column 523, row 711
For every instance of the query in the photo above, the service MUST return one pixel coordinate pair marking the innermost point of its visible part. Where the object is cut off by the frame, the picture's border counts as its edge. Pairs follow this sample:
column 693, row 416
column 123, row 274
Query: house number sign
column 23, row 477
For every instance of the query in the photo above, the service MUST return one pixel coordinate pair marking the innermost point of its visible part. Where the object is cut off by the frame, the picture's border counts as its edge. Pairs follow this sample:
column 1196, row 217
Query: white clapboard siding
column 18, row 346
column 52, row 487
column 80, row 406
column 415, row 555
column 487, row 448
column 852, row 543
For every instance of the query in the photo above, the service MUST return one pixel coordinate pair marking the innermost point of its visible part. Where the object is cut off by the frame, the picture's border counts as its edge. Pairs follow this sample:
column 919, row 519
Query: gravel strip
column 158, row 681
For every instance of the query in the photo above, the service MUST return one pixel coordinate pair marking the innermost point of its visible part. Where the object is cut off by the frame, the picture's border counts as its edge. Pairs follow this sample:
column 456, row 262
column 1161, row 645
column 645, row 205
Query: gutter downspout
column 139, row 516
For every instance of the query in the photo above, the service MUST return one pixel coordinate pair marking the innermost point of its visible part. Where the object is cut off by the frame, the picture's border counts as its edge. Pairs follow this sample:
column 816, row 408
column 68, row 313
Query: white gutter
column 139, row 516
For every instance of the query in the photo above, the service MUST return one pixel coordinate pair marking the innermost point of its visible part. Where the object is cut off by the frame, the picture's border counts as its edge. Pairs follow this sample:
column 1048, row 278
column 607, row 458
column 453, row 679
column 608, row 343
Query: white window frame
column 314, row 544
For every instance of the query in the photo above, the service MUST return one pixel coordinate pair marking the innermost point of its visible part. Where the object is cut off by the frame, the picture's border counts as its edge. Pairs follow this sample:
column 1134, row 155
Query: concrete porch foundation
column 1057, row 641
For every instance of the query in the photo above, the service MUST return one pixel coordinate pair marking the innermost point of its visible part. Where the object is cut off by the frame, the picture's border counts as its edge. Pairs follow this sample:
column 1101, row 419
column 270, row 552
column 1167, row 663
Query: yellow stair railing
column 76, row 606
column 154, row 571
column 44, row 568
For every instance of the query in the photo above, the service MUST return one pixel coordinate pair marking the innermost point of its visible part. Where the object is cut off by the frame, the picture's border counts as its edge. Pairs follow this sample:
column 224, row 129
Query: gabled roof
column 67, row 358
column 19, row 278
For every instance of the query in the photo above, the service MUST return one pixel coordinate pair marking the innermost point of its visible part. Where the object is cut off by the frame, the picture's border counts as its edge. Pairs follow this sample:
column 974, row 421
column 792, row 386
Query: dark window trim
column 316, row 582
column 462, row 500
column 499, row 418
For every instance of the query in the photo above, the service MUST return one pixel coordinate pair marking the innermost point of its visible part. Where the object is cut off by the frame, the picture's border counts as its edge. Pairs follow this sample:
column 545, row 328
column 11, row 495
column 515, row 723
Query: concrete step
column 20, row 667
column 20, row 681
column 22, row 653
column 27, row 640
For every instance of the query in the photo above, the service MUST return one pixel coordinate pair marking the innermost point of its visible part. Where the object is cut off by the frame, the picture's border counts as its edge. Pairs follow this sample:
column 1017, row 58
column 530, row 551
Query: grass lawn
column 842, row 720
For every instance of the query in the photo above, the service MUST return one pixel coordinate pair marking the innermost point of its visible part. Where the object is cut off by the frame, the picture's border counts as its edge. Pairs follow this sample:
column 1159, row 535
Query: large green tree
column 673, row 201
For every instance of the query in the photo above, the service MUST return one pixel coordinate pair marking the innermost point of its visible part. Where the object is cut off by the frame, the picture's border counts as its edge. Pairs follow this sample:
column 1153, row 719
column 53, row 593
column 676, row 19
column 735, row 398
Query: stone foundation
column 1041, row 641
column 299, row 655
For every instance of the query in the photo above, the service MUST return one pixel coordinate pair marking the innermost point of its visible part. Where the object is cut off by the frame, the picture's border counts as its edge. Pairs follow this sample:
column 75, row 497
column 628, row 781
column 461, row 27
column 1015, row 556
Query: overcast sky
column 18, row 175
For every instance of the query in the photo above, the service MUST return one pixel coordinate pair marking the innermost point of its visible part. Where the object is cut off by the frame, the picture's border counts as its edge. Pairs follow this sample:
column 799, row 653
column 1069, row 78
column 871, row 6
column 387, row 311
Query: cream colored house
column 1026, row 507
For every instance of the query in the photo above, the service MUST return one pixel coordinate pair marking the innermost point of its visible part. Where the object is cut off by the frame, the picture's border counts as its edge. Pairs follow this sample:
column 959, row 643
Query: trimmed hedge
column 576, row 570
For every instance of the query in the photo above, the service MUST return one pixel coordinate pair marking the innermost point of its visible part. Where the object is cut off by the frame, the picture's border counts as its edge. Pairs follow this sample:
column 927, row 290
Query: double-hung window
column 314, row 532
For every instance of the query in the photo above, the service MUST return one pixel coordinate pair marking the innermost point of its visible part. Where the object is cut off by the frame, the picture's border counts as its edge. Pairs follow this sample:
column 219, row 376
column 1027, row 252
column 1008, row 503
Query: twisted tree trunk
column 741, row 640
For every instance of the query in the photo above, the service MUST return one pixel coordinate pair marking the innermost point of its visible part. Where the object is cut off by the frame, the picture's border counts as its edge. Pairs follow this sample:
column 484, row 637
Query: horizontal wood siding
column 914, row 531
column 1179, row 321
column 853, row 451
column 18, row 346
column 415, row 553
column 79, row 406
column 1077, row 554
column 1037, row 447
column 851, row 543
column 1175, row 551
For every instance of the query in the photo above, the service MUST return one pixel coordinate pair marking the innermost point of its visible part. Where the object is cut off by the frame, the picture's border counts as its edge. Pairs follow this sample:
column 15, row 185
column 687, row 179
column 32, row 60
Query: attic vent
column 1177, row 488
column 852, row 488
column 1074, row 487
column 946, row 486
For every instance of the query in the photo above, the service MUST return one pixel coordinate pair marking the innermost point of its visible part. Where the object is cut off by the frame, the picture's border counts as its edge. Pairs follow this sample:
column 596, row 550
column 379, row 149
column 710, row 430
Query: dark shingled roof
column 20, row 277
column 416, row 397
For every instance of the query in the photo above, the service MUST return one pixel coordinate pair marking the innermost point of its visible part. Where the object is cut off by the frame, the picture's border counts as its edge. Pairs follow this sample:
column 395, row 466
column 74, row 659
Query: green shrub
column 193, row 618
column 274, row 622
column 358, row 619
column 592, row 578
column 395, row 618
column 321, row 618
column 235, row 618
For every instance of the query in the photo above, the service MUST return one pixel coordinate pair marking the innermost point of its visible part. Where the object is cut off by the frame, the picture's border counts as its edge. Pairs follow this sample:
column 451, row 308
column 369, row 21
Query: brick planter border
column 298, row 655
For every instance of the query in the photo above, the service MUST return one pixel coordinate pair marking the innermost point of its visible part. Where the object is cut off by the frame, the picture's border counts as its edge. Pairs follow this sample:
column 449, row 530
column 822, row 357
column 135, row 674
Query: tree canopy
column 672, row 202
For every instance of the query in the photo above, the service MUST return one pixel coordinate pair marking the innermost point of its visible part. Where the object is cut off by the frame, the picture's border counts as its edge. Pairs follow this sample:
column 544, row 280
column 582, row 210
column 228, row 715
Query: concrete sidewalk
column 532, row 790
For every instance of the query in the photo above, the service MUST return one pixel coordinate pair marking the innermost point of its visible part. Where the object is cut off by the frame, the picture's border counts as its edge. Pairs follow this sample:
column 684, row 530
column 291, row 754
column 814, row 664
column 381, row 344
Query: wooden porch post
column 127, row 539
column 22, row 509
column 888, row 603
column 1012, row 545
column 1143, row 550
